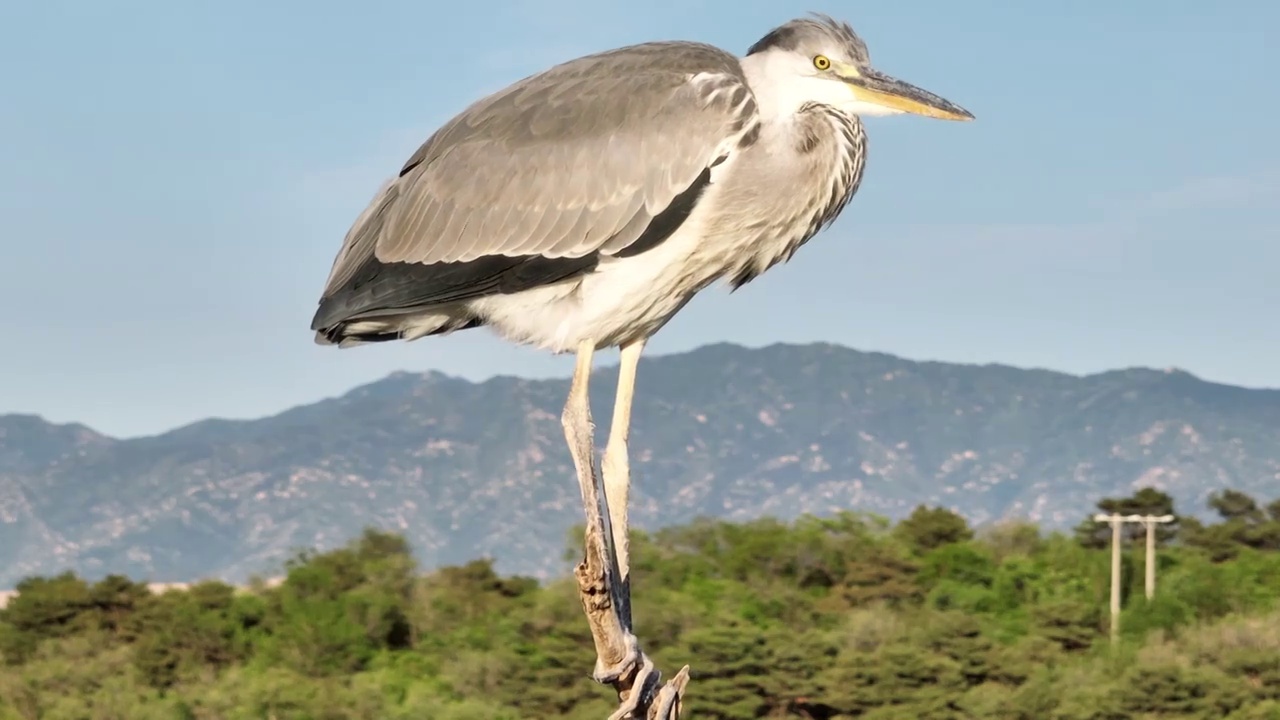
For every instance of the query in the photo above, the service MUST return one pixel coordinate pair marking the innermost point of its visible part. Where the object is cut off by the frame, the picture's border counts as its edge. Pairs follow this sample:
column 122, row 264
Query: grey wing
column 599, row 156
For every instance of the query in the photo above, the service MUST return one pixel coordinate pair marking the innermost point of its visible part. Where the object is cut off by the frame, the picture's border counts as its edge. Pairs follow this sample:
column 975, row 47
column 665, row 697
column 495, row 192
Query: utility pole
column 1117, row 521
column 1151, row 521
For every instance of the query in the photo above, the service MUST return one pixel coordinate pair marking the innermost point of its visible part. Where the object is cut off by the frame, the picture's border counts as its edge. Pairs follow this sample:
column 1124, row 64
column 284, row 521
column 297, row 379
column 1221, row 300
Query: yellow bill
column 874, row 88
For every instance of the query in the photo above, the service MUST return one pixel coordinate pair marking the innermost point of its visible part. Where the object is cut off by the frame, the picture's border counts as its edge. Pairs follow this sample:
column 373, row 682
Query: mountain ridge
column 470, row 468
column 438, row 374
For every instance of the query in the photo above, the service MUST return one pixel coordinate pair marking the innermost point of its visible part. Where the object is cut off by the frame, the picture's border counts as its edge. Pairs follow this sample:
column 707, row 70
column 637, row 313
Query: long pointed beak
column 876, row 88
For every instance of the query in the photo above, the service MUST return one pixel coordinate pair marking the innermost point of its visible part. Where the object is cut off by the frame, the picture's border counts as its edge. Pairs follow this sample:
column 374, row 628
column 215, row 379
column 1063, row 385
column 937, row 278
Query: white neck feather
column 784, row 82
column 779, row 91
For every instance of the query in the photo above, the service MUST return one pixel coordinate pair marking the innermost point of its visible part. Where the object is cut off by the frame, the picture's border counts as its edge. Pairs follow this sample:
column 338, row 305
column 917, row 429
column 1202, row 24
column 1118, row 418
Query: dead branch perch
column 619, row 660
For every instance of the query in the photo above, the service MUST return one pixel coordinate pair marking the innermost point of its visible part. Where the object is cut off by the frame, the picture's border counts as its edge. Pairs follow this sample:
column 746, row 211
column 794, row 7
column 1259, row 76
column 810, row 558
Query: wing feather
column 571, row 162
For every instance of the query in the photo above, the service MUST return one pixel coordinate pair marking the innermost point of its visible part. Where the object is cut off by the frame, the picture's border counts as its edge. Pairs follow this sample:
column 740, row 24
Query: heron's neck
column 770, row 77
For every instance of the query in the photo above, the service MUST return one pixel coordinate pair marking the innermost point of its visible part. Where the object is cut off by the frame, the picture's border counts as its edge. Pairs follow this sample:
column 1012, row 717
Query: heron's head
column 822, row 60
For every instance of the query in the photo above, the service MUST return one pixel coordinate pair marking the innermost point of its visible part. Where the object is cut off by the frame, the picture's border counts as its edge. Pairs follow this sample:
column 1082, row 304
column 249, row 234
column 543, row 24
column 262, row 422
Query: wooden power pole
column 1117, row 521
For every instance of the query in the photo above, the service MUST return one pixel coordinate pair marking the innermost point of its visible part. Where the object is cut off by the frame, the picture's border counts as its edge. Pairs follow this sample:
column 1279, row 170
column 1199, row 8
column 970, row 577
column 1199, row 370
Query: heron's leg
column 619, row 660
column 578, row 432
column 617, row 653
column 616, row 466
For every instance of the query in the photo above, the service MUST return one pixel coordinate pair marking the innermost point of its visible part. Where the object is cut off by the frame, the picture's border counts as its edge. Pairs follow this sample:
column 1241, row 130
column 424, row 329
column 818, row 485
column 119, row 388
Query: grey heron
column 582, row 207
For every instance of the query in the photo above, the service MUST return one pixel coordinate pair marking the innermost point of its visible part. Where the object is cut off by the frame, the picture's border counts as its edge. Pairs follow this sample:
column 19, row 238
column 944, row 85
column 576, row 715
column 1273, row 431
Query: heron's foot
column 620, row 662
column 631, row 659
column 641, row 691
column 646, row 700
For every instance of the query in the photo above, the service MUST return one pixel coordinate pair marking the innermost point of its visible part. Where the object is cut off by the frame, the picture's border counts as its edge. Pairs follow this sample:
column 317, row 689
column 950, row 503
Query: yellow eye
column 821, row 62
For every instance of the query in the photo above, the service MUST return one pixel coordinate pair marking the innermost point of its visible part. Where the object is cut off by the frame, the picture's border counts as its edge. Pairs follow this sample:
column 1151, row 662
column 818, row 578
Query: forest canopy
column 848, row 616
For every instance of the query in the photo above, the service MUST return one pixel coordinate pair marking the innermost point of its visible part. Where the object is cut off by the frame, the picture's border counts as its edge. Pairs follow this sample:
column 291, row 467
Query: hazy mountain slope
column 467, row 468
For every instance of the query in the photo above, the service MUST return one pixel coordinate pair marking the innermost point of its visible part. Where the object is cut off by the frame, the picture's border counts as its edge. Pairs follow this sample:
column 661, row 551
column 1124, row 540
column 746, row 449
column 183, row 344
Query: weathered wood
column 619, row 660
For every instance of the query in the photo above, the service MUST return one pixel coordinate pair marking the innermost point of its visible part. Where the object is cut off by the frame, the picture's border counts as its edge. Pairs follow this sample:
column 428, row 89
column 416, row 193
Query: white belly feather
column 624, row 298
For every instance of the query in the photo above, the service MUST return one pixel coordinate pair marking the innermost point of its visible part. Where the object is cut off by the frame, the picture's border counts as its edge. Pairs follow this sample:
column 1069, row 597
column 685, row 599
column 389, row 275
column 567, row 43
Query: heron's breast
column 622, row 300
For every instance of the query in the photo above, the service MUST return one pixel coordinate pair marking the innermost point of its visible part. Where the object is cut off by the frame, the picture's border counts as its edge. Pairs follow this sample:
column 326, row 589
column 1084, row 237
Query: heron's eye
column 822, row 62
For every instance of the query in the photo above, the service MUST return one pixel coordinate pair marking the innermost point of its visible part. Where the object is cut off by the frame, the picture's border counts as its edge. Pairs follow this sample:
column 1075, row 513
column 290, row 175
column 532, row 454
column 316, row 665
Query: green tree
column 1235, row 505
column 1147, row 501
column 182, row 634
column 821, row 618
column 927, row 528
column 43, row 608
column 1243, row 524
column 115, row 601
column 1072, row 624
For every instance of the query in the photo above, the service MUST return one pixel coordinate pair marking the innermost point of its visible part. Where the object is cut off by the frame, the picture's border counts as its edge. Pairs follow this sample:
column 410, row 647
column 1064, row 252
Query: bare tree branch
column 607, row 603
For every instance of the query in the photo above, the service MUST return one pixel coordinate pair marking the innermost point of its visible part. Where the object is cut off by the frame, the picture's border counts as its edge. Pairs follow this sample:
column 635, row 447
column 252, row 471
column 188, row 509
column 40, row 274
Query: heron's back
column 623, row 182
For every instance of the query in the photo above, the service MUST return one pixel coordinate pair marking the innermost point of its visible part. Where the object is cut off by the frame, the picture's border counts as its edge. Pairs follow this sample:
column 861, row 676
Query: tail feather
column 349, row 333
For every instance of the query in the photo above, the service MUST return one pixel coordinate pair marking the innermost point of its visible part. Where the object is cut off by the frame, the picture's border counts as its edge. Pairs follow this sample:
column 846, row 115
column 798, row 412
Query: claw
column 661, row 704
column 608, row 675
column 641, row 691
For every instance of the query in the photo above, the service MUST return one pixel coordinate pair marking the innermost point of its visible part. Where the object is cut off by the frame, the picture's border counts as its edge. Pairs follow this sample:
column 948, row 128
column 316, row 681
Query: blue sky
column 175, row 179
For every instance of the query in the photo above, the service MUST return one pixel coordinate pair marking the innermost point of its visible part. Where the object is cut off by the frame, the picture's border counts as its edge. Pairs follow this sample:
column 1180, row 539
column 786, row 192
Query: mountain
column 466, row 469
